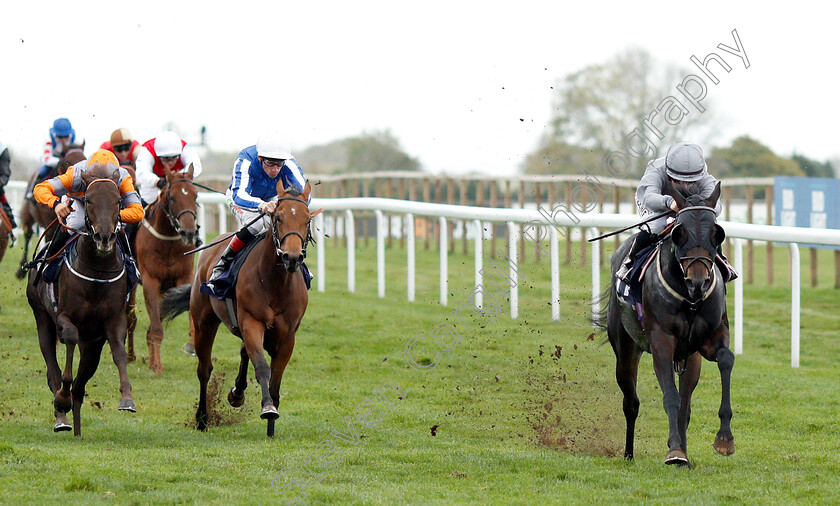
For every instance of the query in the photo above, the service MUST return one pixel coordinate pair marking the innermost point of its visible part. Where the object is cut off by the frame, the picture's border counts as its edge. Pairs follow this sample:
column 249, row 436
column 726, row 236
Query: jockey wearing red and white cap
column 169, row 151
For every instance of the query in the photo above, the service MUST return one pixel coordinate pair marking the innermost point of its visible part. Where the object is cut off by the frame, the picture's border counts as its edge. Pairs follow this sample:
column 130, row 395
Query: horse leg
column 626, row 372
column 70, row 336
column 724, row 440
column 120, row 358
column 279, row 360
column 205, row 335
column 252, row 337
column 236, row 396
column 151, row 292
column 688, row 382
column 89, row 353
column 662, row 349
column 47, row 341
column 131, row 325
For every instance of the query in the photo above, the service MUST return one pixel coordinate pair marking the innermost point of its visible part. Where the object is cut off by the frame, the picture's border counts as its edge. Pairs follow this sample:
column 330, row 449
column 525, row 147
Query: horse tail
column 175, row 302
column 599, row 316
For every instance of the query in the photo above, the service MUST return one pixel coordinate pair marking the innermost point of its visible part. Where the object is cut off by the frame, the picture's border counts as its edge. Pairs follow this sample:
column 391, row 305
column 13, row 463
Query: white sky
column 450, row 79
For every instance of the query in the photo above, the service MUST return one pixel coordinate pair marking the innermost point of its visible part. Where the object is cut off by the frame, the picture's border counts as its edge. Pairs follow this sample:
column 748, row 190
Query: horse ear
column 115, row 176
column 87, row 178
column 678, row 235
column 281, row 191
column 713, row 198
column 678, row 197
column 190, row 171
column 718, row 234
column 307, row 191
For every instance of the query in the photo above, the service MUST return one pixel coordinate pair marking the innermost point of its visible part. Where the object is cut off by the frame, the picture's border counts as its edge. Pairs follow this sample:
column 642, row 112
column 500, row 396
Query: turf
column 502, row 411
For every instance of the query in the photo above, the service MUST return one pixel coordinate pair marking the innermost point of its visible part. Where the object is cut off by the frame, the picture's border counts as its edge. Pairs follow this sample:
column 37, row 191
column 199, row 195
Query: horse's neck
column 160, row 220
column 270, row 265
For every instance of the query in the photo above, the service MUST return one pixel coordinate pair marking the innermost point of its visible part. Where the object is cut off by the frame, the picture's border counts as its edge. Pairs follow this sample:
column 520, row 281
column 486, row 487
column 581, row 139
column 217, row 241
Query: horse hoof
column 677, row 457
column 236, row 400
column 269, row 413
column 131, row 357
column 189, row 349
column 724, row 446
column 127, row 405
column 20, row 273
column 61, row 426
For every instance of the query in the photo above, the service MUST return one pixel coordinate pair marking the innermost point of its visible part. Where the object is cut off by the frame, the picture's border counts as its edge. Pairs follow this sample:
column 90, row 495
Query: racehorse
column 32, row 213
column 90, row 304
column 269, row 303
column 5, row 230
column 169, row 230
column 684, row 320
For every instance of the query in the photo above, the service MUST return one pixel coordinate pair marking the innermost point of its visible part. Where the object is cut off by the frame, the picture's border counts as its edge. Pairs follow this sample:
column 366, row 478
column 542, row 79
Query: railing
column 476, row 216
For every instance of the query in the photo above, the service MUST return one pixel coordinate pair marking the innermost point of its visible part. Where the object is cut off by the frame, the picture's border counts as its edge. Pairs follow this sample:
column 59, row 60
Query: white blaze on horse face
column 293, row 211
column 184, row 191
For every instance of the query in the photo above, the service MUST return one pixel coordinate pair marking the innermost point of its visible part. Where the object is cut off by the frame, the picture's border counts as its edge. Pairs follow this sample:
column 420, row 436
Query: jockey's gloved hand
column 161, row 183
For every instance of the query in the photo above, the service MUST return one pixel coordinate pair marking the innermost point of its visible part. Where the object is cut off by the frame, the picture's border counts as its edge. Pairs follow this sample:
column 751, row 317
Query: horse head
column 102, row 205
column 695, row 238
column 290, row 225
column 70, row 155
column 179, row 203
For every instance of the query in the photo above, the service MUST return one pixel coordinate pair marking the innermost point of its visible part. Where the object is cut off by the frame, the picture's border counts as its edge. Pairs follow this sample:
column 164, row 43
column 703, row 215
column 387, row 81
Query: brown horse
column 269, row 303
column 169, row 230
column 90, row 302
column 33, row 214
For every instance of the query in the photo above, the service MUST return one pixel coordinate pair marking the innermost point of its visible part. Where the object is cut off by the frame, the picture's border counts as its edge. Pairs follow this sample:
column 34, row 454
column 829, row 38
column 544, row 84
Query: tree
column 813, row 168
column 747, row 157
column 596, row 108
column 368, row 152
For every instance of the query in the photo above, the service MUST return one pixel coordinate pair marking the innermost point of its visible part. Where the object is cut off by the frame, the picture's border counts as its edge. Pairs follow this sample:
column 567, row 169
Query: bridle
column 167, row 207
column 706, row 260
column 278, row 241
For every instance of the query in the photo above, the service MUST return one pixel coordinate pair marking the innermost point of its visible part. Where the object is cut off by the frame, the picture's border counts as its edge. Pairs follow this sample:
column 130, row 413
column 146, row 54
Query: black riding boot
column 729, row 272
column 642, row 240
column 222, row 265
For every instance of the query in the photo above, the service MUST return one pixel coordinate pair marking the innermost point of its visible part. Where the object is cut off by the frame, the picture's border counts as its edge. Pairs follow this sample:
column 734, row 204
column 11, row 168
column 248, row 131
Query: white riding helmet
column 274, row 145
column 168, row 144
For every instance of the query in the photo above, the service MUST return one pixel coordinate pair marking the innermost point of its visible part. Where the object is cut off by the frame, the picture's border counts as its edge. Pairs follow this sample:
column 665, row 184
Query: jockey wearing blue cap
column 253, row 191
column 61, row 136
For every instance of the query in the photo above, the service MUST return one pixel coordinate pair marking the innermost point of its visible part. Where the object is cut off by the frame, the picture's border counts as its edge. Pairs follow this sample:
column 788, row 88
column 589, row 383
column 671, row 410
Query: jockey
column 123, row 146
column 683, row 165
column 57, row 193
column 61, row 136
column 5, row 174
column 253, row 190
column 166, row 150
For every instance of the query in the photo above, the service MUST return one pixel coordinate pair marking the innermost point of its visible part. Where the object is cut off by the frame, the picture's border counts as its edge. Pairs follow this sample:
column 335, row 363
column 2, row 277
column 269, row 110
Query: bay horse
column 269, row 302
column 90, row 303
column 684, row 320
column 168, row 231
column 34, row 214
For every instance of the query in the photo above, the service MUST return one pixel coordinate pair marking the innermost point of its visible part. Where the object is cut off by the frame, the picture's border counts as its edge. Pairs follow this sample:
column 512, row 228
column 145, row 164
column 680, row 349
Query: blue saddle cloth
column 632, row 293
column 223, row 287
column 53, row 268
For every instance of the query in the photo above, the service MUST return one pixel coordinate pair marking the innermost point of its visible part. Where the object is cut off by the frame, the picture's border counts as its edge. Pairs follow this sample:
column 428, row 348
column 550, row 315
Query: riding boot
column 729, row 272
column 642, row 240
column 59, row 239
column 222, row 265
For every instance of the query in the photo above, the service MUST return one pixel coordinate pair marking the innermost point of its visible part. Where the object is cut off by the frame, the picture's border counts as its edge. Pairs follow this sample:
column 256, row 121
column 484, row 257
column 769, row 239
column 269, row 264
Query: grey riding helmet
column 685, row 162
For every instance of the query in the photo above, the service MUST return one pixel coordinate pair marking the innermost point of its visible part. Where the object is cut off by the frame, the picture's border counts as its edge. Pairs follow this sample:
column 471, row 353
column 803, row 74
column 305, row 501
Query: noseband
column 278, row 242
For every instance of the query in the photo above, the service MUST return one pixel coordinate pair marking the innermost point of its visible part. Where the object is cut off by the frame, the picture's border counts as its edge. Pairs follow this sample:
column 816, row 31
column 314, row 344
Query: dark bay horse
column 269, row 303
column 90, row 302
column 684, row 320
column 168, row 231
column 33, row 214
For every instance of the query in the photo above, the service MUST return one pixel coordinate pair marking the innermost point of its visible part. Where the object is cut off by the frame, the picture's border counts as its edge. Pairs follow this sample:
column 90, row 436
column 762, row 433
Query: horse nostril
column 285, row 258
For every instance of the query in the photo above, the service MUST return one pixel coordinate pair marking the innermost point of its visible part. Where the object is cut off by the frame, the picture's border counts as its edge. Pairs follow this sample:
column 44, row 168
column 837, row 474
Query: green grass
column 524, row 411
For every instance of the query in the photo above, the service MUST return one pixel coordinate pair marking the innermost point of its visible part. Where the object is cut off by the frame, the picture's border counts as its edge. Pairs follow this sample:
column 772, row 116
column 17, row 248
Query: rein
column 88, row 224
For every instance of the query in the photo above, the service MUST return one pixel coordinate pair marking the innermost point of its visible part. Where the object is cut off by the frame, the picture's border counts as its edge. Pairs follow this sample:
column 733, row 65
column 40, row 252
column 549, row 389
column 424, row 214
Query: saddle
column 51, row 270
